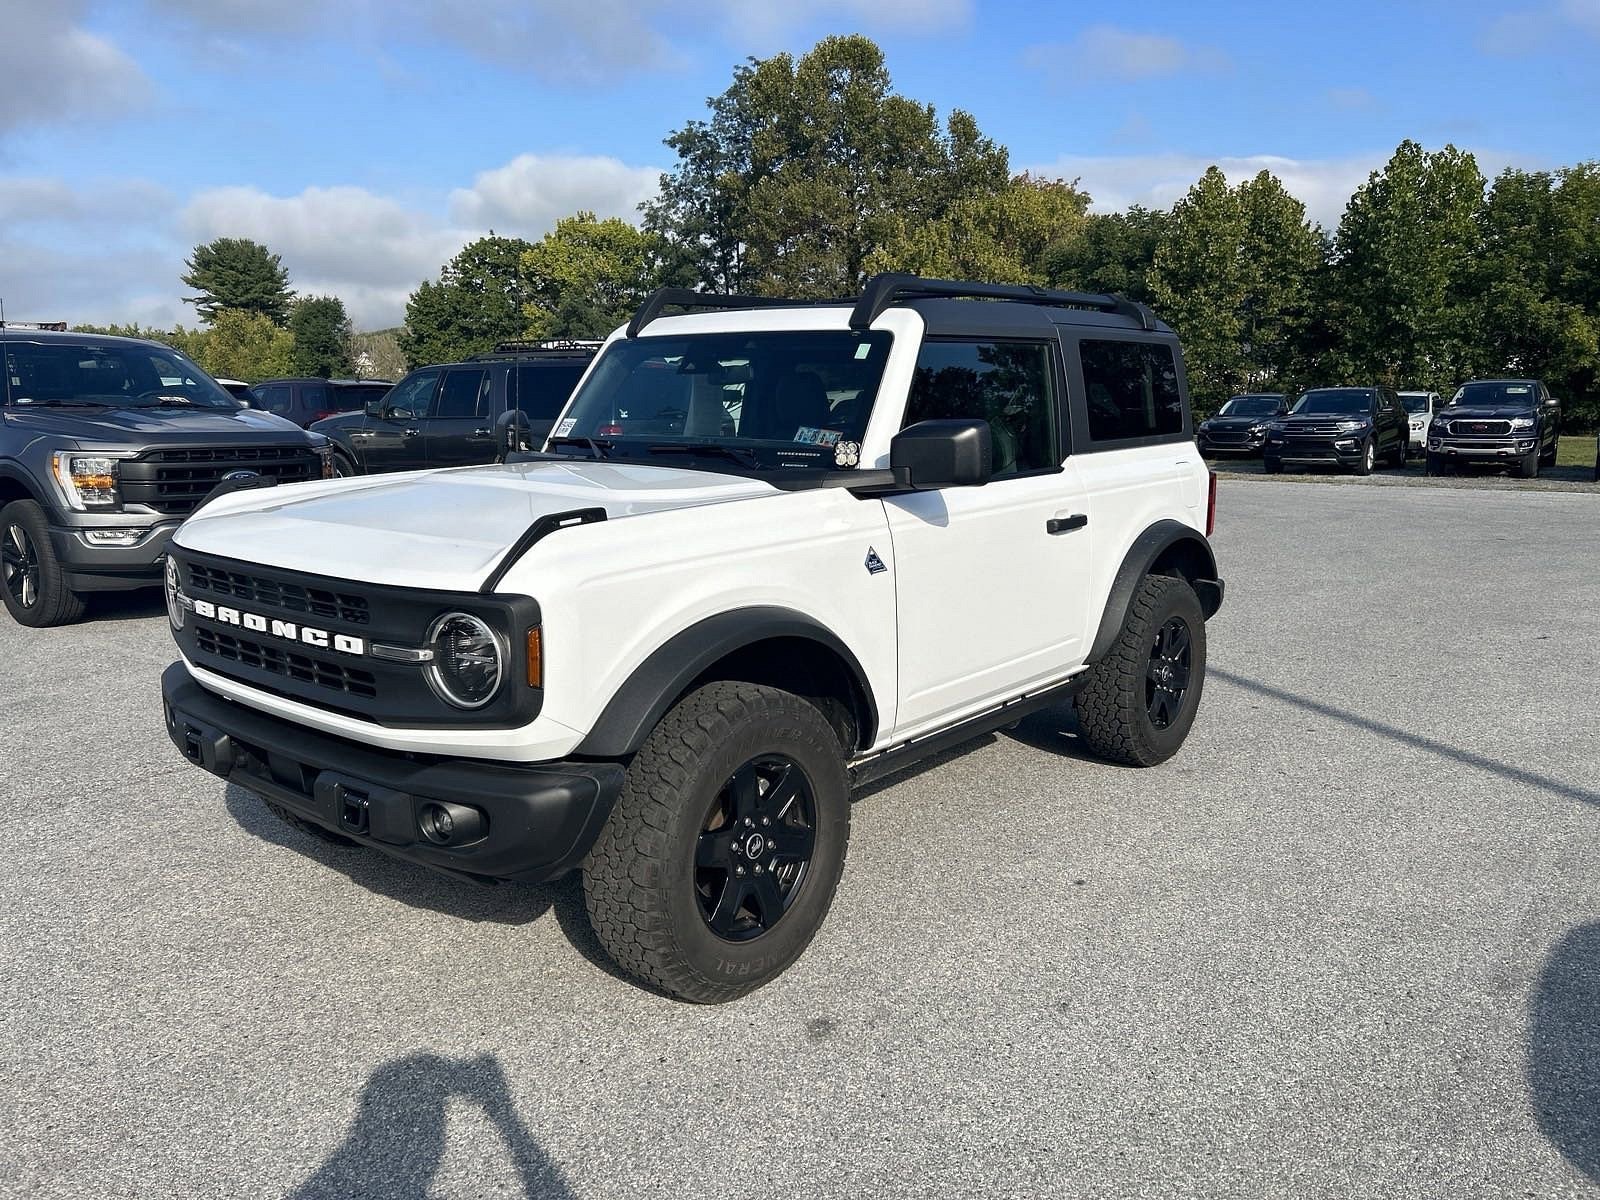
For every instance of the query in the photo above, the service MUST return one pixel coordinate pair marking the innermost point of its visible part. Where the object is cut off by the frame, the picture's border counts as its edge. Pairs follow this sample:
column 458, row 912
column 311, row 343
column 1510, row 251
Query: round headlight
column 174, row 585
column 468, row 661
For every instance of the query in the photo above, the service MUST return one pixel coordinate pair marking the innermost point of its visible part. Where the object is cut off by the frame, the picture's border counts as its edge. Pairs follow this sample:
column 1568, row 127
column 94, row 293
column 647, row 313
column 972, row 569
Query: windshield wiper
column 596, row 449
column 742, row 455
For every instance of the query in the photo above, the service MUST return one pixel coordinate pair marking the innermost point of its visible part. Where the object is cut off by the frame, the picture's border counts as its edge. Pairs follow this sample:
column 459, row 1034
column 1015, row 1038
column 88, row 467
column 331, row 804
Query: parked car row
column 1512, row 423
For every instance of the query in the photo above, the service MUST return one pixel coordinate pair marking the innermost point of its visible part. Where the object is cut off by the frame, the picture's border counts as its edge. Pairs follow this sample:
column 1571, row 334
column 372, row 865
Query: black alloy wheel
column 19, row 561
column 754, row 849
column 1167, row 675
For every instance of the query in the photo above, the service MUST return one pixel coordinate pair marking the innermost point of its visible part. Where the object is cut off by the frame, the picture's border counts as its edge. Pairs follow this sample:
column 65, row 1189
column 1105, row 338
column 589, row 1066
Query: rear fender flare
column 1176, row 542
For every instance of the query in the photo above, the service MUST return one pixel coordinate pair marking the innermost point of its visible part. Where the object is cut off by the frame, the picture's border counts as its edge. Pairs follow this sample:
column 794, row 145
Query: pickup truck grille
column 173, row 482
column 297, row 598
column 290, row 665
column 1228, row 436
column 1480, row 428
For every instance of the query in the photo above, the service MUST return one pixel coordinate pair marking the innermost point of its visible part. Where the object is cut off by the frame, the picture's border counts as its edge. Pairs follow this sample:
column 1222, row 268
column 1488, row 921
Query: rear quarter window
column 543, row 388
column 1130, row 390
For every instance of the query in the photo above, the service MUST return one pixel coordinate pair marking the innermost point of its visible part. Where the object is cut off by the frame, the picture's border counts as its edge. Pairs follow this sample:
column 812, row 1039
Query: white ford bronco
column 771, row 550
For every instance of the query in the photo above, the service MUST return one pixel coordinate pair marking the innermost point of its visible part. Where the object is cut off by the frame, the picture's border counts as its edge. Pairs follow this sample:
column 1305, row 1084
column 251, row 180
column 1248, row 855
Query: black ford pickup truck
column 1496, row 422
column 106, row 445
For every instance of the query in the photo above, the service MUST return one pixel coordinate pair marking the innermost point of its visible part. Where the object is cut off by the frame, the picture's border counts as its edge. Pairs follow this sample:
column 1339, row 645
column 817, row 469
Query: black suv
column 1496, row 422
column 106, row 445
column 309, row 400
column 1240, row 426
column 1351, row 427
column 461, row 414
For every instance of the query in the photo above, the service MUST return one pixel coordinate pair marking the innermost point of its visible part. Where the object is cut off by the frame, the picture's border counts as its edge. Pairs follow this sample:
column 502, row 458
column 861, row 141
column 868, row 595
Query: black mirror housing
column 941, row 454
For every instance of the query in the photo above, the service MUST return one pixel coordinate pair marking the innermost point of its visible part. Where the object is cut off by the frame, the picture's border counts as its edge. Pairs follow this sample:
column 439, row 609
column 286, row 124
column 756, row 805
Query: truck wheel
column 1528, row 465
column 720, row 859
column 343, row 468
column 1548, row 458
column 1435, row 464
column 1141, row 698
column 1271, row 466
column 32, row 583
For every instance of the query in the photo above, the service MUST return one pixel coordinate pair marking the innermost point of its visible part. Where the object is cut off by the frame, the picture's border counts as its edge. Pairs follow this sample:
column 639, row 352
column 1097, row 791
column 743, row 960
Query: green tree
column 1279, row 253
column 248, row 346
column 1112, row 252
column 587, row 276
column 477, row 302
column 321, row 332
column 807, row 168
column 1405, row 261
column 997, row 237
column 377, row 355
column 239, row 274
column 1200, row 286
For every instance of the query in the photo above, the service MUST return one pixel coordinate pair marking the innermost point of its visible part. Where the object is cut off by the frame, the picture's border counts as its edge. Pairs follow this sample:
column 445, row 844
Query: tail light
column 1211, row 504
column 322, row 416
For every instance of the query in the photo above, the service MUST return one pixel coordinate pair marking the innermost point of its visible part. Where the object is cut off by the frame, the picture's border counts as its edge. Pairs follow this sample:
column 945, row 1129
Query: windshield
column 764, row 399
column 123, row 376
column 1513, row 395
column 1415, row 402
column 1251, row 406
column 1344, row 402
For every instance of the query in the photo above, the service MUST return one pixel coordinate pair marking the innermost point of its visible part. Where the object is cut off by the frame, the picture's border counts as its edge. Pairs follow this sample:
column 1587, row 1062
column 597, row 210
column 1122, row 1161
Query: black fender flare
column 666, row 674
column 14, row 473
column 1147, row 549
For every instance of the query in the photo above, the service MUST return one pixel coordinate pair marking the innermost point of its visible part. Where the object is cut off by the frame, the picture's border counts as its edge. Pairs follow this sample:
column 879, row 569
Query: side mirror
column 941, row 454
column 374, row 408
column 1551, row 402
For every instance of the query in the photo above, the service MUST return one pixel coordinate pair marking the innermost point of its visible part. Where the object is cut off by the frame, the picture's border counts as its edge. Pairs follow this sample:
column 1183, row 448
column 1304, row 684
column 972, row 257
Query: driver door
column 390, row 437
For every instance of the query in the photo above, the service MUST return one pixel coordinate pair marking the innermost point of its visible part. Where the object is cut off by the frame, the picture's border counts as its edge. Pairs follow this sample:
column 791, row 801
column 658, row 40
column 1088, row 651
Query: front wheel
column 33, row 584
column 1141, row 698
column 1369, row 459
column 1528, row 465
column 722, row 854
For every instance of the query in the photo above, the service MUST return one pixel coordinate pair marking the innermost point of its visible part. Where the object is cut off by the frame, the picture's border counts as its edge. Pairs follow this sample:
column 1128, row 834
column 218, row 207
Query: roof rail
column 689, row 298
column 883, row 290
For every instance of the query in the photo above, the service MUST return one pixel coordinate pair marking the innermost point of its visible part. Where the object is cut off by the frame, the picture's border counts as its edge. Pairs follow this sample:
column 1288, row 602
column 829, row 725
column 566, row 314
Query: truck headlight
column 87, row 481
column 1522, row 422
column 468, row 660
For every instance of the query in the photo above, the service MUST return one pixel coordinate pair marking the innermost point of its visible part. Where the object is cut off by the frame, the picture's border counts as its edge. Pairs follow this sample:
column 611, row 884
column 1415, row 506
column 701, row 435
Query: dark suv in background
column 1496, row 422
column 306, row 401
column 1240, row 426
column 461, row 414
column 1350, row 427
column 106, row 445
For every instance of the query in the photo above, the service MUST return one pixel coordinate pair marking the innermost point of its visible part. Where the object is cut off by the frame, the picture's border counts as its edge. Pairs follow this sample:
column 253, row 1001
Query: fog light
column 446, row 824
column 113, row 537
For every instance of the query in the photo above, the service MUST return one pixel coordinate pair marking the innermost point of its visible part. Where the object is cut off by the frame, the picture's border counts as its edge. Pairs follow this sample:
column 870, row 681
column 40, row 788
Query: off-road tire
column 639, row 879
column 1112, row 716
column 310, row 828
column 56, row 603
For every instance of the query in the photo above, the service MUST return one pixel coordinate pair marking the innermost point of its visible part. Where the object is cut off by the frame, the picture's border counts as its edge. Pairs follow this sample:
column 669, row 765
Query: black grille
column 286, row 663
column 1327, row 430
column 1227, row 435
column 258, row 589
column 1481, row 428
column 174, row 482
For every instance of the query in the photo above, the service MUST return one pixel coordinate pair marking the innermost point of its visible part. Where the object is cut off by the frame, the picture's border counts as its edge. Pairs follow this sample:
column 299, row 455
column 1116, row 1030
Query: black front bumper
column 1314, row 453
column 93, row 567
column 540, row 819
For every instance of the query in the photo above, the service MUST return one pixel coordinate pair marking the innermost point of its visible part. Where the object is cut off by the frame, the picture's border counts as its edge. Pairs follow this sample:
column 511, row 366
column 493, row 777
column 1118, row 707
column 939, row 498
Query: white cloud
column 1104, row 52
column 52, row 69
column 39, row 200
column 530, row 193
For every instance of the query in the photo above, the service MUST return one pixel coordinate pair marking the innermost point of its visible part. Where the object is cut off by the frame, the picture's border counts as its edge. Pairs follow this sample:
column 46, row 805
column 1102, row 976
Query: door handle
column 412, row 432
column 482, row 431
column 1066, row 524
column 353, row 436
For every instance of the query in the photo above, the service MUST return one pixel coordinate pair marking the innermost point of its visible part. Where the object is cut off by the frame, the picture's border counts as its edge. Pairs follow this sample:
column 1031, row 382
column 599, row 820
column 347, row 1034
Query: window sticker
column 817, row 437
column 863, row 350
column 1518, row 391
column 565, row 427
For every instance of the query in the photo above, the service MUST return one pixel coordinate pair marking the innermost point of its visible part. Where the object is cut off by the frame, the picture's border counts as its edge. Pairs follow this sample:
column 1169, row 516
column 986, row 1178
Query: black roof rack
column 548, row 348
column 689, row 298
column 883, row 290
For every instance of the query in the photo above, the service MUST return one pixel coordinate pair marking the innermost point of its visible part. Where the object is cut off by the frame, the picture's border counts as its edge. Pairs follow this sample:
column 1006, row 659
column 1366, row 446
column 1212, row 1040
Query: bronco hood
column 444, row 530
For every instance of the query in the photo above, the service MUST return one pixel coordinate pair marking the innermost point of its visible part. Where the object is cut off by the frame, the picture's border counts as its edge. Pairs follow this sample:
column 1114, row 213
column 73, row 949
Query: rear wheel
column 1398, row 457
column 721, row 857
column 1141, row 698
column 33, row 585
column 1548, row 458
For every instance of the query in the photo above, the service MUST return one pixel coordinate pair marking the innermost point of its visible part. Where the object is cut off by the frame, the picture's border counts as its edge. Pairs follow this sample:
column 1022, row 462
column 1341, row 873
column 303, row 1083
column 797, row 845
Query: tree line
column 810, row 173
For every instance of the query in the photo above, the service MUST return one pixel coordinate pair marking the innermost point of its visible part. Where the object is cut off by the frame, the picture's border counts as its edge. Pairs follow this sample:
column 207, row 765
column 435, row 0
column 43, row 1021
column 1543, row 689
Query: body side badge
column 875, row 565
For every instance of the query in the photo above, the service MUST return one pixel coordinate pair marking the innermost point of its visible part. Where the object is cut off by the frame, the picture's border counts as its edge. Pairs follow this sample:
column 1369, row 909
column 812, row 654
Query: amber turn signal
column 535, row 659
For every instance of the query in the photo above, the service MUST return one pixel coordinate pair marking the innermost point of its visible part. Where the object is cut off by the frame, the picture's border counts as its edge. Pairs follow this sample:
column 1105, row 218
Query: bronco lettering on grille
column 322, row 639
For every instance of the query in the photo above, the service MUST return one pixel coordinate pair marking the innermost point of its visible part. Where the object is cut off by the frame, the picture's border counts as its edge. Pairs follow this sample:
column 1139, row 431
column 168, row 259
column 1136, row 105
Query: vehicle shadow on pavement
column 418, row 887
column 137, row 605
column 1444, row 749
column 1564, row 1049
column 397, row 1142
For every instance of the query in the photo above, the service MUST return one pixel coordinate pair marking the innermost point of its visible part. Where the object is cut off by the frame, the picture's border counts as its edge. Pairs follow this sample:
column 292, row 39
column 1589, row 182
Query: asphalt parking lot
column 1346, row 944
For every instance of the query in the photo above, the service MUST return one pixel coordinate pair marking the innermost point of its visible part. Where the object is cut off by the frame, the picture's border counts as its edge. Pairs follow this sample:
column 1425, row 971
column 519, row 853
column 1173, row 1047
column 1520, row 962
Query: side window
column 543, row 388
column 464, row 393
column 314, row 398
column 413, row 393
column 1009, row 384
column 1131, row 389
column 275, row 399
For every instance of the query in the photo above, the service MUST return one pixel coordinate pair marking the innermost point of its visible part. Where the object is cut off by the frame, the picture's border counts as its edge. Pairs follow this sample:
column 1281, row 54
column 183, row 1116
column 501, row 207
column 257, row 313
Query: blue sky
column 366, row 140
